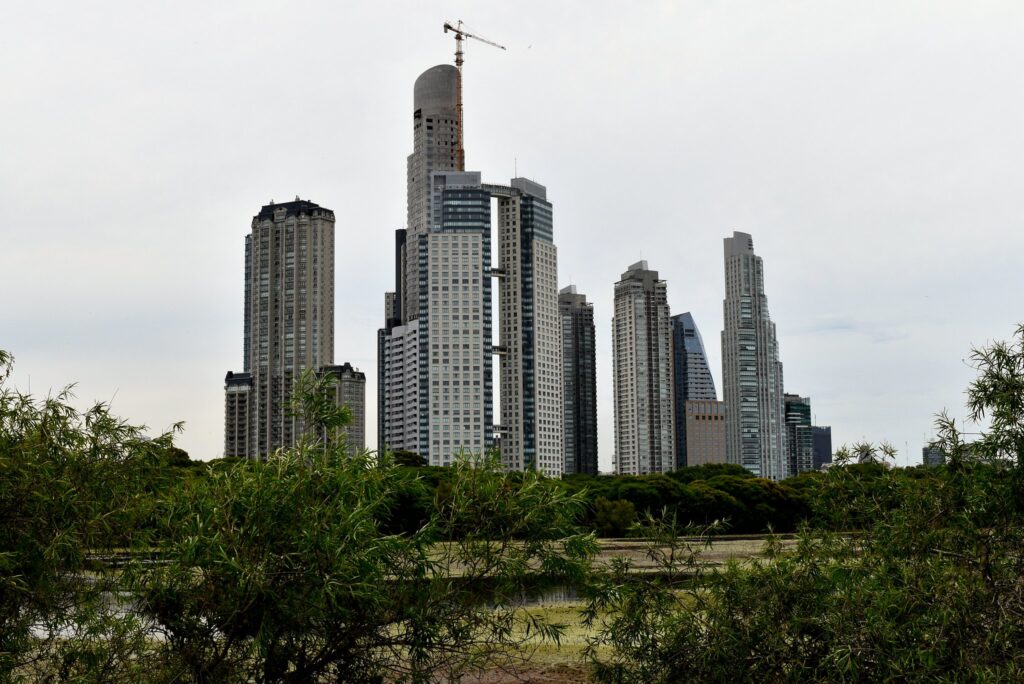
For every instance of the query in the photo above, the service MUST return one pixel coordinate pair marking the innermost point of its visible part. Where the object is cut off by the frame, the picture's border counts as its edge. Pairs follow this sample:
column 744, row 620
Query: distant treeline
column 701, row 495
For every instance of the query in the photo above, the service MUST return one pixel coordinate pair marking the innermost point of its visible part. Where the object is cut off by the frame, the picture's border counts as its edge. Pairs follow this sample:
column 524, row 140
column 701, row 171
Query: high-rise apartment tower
column 821, row 439
column 751, row 370
column 579, row 380
column 402, row 344
column 436, row 146
column 350, row 391
column 530, row 340
column 455, row 364
column 289, row 322
column 642, row 357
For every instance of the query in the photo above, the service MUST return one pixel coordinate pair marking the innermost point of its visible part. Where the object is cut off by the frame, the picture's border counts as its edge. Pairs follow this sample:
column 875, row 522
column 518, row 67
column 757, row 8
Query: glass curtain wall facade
column 799, row 435
column 579, row 380
column 692, row 380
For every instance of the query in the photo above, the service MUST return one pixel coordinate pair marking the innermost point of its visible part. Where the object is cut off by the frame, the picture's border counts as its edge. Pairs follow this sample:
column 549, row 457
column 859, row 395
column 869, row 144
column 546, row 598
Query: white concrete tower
column 751, row 370
column 402, row 342
column 530, row 343
column 435, row 147
column 455, row 392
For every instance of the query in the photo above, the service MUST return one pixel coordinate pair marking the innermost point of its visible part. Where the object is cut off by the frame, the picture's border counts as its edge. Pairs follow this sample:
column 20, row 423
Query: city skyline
column 851, row 137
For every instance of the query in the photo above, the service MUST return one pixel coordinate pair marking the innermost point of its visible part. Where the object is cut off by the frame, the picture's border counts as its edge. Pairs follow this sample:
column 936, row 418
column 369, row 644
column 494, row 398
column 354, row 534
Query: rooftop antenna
column 460, row 36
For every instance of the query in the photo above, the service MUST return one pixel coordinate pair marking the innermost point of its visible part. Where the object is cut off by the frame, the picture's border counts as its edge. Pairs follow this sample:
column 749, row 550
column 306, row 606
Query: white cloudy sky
column 873, row 149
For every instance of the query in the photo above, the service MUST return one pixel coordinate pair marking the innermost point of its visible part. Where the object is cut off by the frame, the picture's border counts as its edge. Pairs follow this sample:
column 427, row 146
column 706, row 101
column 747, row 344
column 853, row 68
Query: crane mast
column 461, row 35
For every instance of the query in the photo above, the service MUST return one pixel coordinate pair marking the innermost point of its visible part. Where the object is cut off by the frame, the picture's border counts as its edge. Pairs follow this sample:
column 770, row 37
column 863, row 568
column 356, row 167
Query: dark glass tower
column 821, row 437
column 691, row 375
column 799, row 435
column 579, row 379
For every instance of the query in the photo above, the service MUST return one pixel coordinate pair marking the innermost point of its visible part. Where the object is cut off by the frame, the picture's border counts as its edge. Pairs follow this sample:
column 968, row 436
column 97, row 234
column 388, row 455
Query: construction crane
column 460, row 36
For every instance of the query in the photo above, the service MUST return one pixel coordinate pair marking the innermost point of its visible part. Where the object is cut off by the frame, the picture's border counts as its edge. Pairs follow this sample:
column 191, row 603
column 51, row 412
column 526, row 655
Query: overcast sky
column 873, row 150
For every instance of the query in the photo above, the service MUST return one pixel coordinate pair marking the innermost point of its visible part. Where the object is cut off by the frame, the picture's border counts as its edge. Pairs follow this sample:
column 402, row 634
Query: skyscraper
column 456, row 388
column 751, row 370
column 692, row 381
column 435, row 351
column 579, row 380
column 530, row 341
column 289, row 323
column 932, row 456
column 350, row 392
column 237, row 394
column 642, row 356
column 799, row 435
column 436, row 146
column 821, row 438
column 402, row 401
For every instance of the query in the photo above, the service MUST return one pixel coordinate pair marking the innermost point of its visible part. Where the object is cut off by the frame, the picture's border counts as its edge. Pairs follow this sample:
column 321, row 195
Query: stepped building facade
column 751, row 370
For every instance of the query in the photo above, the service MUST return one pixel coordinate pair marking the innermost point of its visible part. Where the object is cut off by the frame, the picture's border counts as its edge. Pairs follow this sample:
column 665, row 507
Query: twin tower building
column 666, row 410
column 436, row 352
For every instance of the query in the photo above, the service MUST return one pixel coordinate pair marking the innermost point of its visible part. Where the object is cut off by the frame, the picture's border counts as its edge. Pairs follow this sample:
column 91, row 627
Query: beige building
column 705, row 432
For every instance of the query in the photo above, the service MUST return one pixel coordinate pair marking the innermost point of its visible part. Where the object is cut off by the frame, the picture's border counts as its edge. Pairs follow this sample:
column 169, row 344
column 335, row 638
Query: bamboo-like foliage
column 908, row 576
column 275, row 571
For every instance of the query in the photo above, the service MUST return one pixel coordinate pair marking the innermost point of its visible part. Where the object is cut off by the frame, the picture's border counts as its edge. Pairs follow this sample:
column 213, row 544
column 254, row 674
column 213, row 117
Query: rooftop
column 299, row 207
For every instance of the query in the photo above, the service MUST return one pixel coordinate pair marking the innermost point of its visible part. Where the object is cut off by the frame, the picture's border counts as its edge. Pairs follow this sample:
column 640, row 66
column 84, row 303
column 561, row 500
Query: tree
column 276, row 571
column 409, row 459
column 76, row 488
column 282, row 573
column 613, row 518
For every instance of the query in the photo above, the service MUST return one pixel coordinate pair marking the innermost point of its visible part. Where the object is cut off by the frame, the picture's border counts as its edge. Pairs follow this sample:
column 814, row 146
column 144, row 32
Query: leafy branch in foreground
column 76, row 487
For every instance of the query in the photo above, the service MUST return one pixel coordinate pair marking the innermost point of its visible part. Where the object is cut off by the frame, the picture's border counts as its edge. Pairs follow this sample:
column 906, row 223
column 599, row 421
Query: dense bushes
column 906, row 575
column 701, row 495
column 121, row 562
